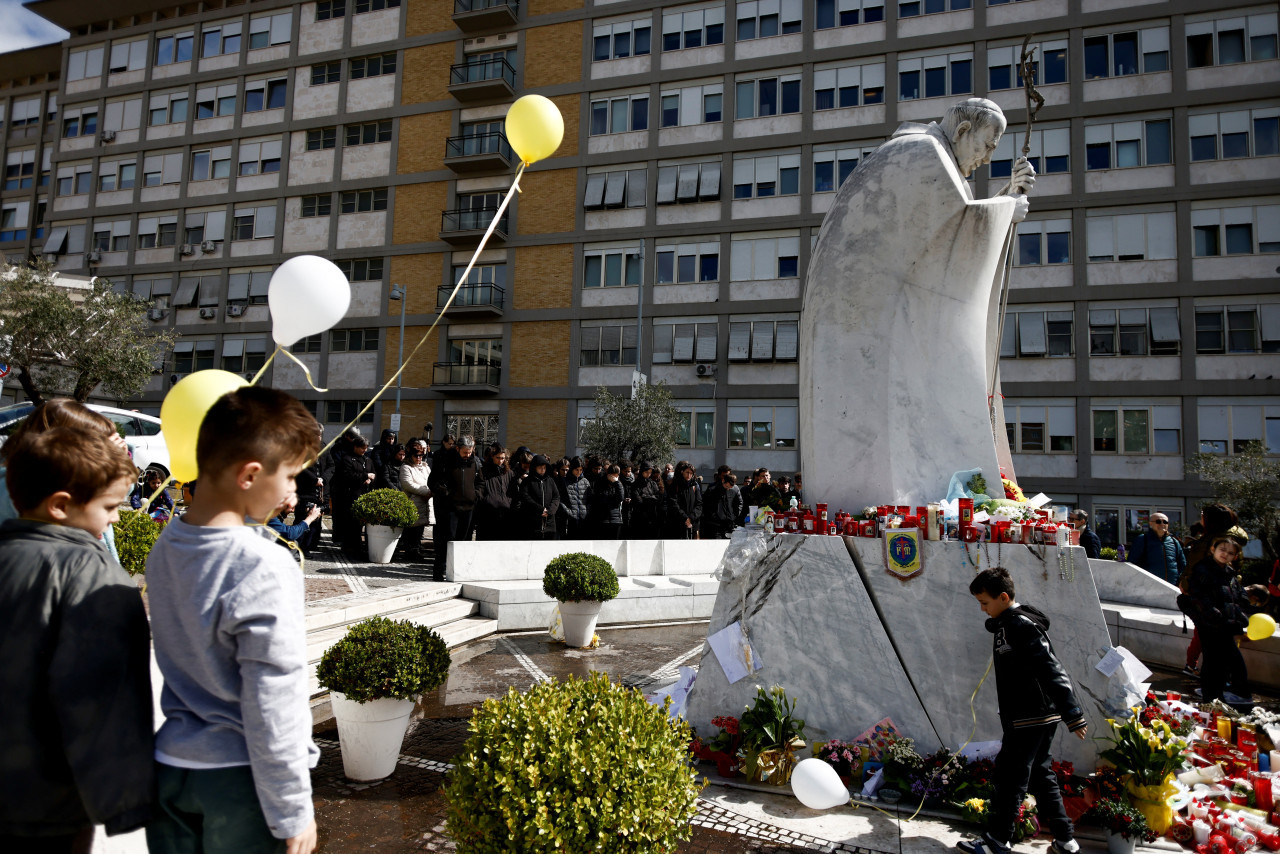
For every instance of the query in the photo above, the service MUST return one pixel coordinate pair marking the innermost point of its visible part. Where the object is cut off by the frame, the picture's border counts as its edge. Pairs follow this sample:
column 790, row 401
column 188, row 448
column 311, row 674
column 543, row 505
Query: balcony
column 482, row 80
column 463, row 378
column 473, row 300
column 475, row 15
column 467, row 226
column 486, row 152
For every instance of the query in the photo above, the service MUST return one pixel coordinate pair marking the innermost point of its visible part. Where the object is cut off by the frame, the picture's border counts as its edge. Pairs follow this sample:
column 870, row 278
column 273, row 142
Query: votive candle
column 1224, row 728
column 1201, row 831
column 1275, row 760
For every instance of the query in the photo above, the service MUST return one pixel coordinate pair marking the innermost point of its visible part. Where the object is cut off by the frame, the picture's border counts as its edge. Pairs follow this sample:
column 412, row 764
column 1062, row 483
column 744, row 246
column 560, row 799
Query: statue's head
column 974, row 127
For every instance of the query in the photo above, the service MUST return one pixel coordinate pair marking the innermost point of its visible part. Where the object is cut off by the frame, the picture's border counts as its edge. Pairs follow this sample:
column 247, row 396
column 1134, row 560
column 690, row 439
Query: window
column 20, row 169
column 617, row 189
column 1235, row 134
column 157, row 231
column 268, row 30
column 27, row 112
column 215, row 101
column 768, row 96
column 243, row 356
column 1228, row 428
column 1238, row 329
column 322, row 138
column 249, row 287
column 1139, row 429
column 327, row 10
column 1037, row 334
column 75, row 180
column 761, row 176
column 194, row 291
column 483, row 286
column 361, row 269
column 79, row 121
column 265, row 94
column 765, row 258
column 161, row 168
column 205, row 225
column 681, row 30
column 85, row 63
column 155, row 291
column 168, row 108
column 1227, row 41
column 688, row 182
column 683, row 342
column 326, row 72
column 481, row 352
column 353, row 340
column 117, row 175
column 191, row 356
column 696, row 428
column 760, row 19
column 619, row 114
column 1131, row 237
column 217, row 39
column 128, row 56
column 373, row 66
column 211, row 163
column 314, row 206
column 830, row 168
column 259, row 158
column 846, row 13
column 1236, row 230
column 369, row 133
column 13, row 221
column 693, row 105
column 493, row 65
column 477, row 210
column 848, row 86
column 621, row 40
column 362, row 201
column 1121, row 54
column 763, row 427
column 310, row 344
column 254, row 223
column 935, row 76
column 122, row 115
column 1004, row 70
column 612, row 267
column 1043, row 242
column 685, row 263
column 911, row 8
column 1134, row 332
column 345, row 411
column 175, row 47
column 363, row 6
column 1036, row 428
column 608, row 345
column 771, row 340
column 1123, row 145
column 1050, row 151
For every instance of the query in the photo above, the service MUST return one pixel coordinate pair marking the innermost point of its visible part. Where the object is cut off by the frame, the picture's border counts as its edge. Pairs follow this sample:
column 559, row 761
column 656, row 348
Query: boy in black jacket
column 1034, row 693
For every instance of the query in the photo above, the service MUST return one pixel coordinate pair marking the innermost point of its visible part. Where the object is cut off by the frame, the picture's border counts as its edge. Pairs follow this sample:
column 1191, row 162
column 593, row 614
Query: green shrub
column 572, row 767
column 136, row 533
column 1106, row 553
column 385, row 658
column 389, row 507
column 580, row 577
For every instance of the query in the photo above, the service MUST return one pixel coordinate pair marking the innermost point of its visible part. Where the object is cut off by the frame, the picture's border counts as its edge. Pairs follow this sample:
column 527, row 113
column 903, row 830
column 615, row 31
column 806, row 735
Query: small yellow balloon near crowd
column 183, row 412
column 534, row 128
column 1261, row 627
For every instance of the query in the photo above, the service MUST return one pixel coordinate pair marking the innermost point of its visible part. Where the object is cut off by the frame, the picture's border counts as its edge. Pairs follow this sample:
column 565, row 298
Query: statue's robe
column 897, row 335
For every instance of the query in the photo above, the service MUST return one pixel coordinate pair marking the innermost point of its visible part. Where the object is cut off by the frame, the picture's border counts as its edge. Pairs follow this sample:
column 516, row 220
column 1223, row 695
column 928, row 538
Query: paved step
column 343, row 610
column 467, row 629
column 432, row 615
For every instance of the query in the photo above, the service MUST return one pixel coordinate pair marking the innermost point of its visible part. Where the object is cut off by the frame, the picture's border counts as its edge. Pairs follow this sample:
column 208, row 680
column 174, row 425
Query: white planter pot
column 579, row 621
column 1117, row 844
column 382, row 542
column 370, row 734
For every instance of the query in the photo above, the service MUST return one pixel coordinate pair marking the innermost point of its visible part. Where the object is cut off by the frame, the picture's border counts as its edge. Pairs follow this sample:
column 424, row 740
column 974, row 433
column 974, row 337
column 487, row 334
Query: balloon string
column 266, row 365
column 515, row 188
column 289, row 544
column 302, row 365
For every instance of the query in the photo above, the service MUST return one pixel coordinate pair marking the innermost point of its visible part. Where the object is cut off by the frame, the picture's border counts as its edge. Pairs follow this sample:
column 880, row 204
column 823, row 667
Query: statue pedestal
column 855, row 644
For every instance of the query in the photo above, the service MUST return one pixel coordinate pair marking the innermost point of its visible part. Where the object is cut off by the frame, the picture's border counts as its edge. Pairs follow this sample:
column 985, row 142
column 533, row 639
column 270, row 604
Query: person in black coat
column 722, row 508
column 606, row 504
column 388, row 474
column 459, row 486
column 1216, row 607
column 493, row 513
column 684, row 504
column 646, row 504
column 383, row 454
column 310, row 487
column 540, row 501
column 353, row 478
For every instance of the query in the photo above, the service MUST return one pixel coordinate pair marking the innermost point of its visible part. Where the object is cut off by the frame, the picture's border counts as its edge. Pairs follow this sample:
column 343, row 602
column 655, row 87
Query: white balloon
column 307, row 295
column 817, row 785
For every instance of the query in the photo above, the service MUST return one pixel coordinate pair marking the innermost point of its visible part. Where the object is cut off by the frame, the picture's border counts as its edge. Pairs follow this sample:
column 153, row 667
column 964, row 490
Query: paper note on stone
column 734, row 652
column 1110, row 662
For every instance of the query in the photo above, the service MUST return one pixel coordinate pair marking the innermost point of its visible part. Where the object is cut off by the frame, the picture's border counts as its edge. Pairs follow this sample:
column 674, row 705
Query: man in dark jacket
column 539, row 501
column 684, row 504
column 1088, row 538
column 1159, row 552
column 493, row 513
column 459, row 485
column 383, row 453
column 722, row 507
column 606, row 505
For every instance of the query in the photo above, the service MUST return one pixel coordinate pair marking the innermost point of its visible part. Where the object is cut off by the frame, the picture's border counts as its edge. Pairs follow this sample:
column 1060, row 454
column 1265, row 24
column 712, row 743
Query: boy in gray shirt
column 233, row 755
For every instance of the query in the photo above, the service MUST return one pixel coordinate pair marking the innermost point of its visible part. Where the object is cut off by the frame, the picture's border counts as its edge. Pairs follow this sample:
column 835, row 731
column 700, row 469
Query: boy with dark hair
column 76, row 680
column 1034, row 694
column 233, row 755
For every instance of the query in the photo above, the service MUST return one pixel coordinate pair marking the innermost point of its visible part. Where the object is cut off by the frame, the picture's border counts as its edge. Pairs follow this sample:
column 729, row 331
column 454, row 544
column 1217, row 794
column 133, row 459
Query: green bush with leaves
column 1106, row 553
column 572, row 766
column 136, row 533
column 580, row 577
column 385, row 658
column 389, row 507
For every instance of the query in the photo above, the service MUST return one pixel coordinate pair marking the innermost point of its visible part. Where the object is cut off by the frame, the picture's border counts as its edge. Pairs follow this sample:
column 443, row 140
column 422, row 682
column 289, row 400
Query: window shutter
column 788, row 340
column 706, row 347
column 1164, row 325
column 739, row 342
column 682, row 350
column 1031, row 334
column 636, row 181
column 666, row 185
column 710, row 184
column 762, row 341
column 615, row 189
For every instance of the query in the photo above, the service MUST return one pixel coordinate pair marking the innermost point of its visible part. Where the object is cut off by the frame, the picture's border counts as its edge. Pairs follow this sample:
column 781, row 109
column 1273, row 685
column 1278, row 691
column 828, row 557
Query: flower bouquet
column 1077, row 795
column 771, row 734
column 1026, row 825
column 846, row 758
column 901, row 764
column 937, row 776
column 1118, row 816
column 1150, row 755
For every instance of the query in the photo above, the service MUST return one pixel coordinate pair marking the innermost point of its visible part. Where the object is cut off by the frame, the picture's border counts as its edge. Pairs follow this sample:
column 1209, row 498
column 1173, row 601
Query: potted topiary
column 136, row 533
column 373, row 675
column 580, row 765
column 385, row 512
column 582, row 583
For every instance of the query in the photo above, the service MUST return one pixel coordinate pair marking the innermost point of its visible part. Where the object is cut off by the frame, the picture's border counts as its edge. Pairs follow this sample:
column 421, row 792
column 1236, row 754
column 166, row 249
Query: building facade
column 184, row 151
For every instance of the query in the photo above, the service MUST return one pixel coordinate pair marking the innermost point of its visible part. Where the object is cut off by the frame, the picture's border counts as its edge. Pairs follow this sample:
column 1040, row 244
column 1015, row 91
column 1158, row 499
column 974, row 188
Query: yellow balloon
column 1261, row 627
column 534, row 128
column 183, row 411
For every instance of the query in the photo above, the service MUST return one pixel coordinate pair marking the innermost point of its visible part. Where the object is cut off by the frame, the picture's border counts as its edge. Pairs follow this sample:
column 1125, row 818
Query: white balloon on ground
column 307, row 295
column 817, row 785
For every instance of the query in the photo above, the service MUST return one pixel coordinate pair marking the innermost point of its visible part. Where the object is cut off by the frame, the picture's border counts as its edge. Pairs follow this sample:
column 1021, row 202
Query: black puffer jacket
column 684, row 501
column 539, row 492
column 1216, row 597
column 606, row 502
column 1032, row 687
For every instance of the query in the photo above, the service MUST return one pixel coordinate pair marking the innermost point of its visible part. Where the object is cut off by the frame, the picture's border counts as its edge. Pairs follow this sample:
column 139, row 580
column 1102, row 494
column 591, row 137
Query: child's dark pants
column 1223, row 665
column 1024, row 764
column 210, row 811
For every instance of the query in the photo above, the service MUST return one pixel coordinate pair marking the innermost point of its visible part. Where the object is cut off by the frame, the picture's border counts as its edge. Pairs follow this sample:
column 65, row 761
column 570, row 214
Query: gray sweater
column 230, row 639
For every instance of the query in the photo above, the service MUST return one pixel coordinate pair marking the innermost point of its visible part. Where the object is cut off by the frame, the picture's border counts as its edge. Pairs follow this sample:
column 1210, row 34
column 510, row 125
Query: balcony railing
column 463, row 225
column 479, row 151
column 481, row 296
column 482, row 78
column 472, row 15
column 482, row 377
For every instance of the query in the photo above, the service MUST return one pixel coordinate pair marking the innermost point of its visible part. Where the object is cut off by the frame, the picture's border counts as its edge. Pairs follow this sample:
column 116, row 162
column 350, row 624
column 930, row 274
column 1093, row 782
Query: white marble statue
column 898, row 334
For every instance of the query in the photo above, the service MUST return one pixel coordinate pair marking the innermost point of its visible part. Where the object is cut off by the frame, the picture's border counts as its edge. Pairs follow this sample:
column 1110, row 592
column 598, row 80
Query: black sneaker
column 1191, row 671
column 984, row 844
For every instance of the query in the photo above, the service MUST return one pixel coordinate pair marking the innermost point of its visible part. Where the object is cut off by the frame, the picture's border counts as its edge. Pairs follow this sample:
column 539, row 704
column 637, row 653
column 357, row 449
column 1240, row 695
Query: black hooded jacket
column 1032, row 687
column 538, row 493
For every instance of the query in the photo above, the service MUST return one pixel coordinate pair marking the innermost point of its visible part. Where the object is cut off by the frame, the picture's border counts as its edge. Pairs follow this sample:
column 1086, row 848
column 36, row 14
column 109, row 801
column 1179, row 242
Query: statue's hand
column 1023, row 179
column 1021, row 205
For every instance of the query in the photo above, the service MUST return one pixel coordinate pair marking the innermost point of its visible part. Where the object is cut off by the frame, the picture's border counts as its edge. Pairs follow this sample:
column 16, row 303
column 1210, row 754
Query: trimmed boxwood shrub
column 385, row 658
column 136, row 533
column 572, row 766
column 389, row 507
column 580, row 577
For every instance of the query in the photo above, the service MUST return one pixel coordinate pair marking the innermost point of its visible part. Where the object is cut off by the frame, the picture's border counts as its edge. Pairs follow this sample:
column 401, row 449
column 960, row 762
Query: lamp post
column 398, row 293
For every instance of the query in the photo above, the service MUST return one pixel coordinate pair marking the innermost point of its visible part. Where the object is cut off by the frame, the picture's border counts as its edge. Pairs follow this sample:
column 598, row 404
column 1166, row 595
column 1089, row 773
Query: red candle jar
column 969, row 534
column 822, row 513
column 1262, row 790
column 851, row 527
column 868, row 528
column 911, row 522
column 966, row 512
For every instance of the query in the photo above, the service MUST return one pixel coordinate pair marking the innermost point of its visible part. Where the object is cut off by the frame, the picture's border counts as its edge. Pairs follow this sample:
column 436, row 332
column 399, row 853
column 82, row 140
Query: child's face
column 1225, row 553
column 267, row 490
column 99, row 511
column 993, row 606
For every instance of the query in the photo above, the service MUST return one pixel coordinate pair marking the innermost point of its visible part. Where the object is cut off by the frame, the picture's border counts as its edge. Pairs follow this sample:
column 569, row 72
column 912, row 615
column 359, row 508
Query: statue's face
column 973, row 146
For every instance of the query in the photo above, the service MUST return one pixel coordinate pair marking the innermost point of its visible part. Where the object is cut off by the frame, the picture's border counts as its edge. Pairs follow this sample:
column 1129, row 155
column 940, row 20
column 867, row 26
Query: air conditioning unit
column 208, row 313
column 208, row 246
column 235, row 310
column 108, row 136
column 93, row 257
column 187, row 249
column 706, row 369
column 155, row 314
